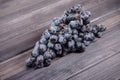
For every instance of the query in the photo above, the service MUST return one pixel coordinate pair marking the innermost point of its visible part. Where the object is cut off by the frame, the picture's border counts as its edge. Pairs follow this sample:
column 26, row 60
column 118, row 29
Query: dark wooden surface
column 22, row 22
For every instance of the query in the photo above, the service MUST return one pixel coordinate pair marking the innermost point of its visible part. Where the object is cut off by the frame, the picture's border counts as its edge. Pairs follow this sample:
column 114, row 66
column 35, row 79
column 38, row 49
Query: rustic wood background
column 22, row 22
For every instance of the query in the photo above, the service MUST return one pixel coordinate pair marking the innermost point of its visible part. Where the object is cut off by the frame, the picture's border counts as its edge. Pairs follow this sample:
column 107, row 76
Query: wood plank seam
column 90, row 66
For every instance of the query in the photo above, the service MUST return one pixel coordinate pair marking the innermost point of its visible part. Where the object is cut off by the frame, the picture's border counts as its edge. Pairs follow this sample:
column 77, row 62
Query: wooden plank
column 20, row 69
column 107, row 70
column 10, row 8
column 26, row 6
column 21, row 34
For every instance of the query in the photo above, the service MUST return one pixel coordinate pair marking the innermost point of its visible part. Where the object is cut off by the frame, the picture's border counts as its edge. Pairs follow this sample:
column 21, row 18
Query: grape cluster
column 71, row 32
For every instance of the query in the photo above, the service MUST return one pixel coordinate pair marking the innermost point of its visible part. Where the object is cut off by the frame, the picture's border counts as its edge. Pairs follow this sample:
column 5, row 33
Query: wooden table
column 22, row 22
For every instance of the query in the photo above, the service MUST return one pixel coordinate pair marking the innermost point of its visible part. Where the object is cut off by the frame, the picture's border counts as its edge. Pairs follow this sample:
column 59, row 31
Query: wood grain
column 20, row 33
column 107, row 70
column 22, row 22
column 20, row 70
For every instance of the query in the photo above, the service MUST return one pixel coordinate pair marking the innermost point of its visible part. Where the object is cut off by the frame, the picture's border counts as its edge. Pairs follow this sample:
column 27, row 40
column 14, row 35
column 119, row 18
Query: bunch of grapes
column 71, row 32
